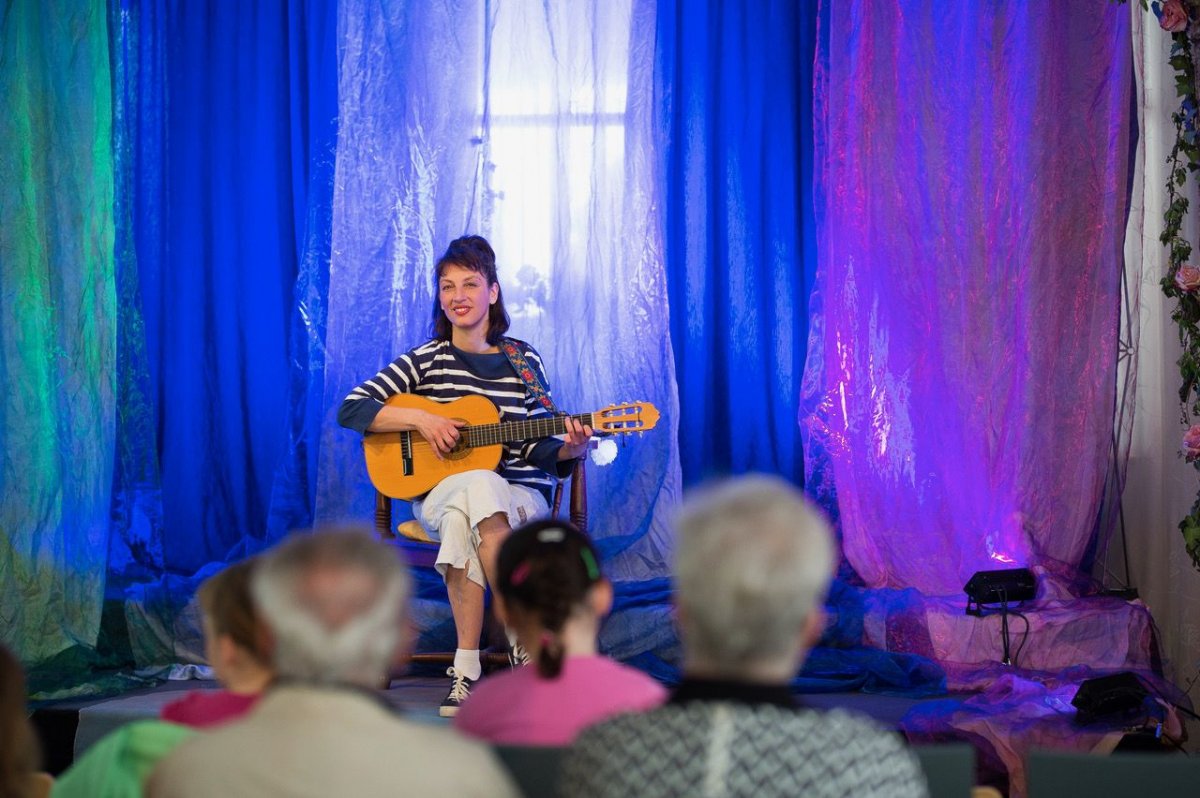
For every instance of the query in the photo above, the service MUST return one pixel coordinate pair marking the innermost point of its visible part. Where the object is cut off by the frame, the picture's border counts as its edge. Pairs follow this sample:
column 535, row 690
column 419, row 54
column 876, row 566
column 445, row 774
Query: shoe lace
column 459, row 689
column 519, row 655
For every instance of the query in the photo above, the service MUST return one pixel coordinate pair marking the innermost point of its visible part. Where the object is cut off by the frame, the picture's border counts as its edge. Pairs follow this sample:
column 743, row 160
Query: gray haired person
column 333, row 604
column 753, row 563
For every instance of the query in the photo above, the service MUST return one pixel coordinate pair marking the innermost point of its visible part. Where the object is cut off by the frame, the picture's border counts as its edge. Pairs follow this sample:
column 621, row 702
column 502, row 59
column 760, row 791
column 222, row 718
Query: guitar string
column 493, row 434
column 507, row 431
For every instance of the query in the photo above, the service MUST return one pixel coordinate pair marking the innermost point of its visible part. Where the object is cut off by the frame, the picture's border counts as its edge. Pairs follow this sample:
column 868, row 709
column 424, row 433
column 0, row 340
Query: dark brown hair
column 226, row 602
column 476, row 254
column 20, row 757
column 546, row 568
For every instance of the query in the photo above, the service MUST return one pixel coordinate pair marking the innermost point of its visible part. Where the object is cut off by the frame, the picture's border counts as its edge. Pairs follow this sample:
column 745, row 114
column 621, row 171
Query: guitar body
column 403, row 464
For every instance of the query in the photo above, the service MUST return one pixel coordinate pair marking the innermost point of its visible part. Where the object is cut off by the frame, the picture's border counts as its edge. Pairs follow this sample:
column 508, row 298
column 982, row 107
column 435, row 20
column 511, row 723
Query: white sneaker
column 518, row 656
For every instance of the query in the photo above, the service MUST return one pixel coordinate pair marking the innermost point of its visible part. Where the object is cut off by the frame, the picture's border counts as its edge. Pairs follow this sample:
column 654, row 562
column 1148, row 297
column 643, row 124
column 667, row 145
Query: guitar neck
column 511, row 431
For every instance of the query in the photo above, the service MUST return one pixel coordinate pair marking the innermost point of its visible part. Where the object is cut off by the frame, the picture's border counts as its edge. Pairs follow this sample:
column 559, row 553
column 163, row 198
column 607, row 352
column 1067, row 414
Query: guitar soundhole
column 461, row 449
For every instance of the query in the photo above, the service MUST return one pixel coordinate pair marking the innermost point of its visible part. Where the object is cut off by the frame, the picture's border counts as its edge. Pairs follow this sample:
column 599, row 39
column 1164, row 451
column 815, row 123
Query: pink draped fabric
column 971, row 182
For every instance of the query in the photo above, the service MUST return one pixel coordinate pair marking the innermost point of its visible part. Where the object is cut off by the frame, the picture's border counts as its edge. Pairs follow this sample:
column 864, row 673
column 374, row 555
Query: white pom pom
column 604, row 451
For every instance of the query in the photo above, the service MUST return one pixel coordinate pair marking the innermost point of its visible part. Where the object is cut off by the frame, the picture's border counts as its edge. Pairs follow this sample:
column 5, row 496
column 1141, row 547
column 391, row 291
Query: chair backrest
column 1063, row 775
column 535, row 769
column 949, row 769
column 578, row 505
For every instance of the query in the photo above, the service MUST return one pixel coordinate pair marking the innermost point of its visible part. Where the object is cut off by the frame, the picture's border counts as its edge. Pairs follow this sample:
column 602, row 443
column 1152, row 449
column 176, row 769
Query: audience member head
column 753, row 562
column 233, row 639
column 19, row 755
column 333, row 603
column 476, row 254
column 550, row 591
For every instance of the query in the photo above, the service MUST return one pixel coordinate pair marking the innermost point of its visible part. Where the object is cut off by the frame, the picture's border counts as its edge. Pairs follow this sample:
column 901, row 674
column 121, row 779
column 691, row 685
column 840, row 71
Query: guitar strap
column 512, row 350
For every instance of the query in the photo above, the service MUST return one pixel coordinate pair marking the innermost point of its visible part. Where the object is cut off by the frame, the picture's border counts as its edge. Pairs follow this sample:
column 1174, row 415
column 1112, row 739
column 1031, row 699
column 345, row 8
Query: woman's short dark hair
column 476, row 254
column 546, row 569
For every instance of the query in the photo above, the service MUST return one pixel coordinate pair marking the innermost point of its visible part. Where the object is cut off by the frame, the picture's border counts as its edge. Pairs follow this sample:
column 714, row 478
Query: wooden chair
column 413, row 531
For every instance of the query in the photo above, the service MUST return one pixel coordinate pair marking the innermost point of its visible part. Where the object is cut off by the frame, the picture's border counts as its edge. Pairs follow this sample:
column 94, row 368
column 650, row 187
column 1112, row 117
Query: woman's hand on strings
column 576, row 442
column 441, row 433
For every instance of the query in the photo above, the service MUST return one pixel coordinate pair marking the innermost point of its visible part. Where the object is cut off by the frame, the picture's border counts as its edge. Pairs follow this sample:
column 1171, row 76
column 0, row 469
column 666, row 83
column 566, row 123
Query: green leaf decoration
column 1183, row 162
column 1190, row 527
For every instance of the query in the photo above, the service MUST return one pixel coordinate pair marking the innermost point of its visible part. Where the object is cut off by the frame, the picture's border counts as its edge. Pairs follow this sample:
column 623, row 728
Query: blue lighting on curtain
column 225, row 130
column 230, row 136
column 741, row 252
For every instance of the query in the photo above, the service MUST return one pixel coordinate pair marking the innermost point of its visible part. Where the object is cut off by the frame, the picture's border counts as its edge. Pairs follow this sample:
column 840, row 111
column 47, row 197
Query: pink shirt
column 521, row 708
column 204, row 708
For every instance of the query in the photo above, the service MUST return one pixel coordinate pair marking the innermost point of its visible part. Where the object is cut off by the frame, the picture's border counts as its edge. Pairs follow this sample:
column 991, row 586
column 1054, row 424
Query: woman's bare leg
column 466, row 605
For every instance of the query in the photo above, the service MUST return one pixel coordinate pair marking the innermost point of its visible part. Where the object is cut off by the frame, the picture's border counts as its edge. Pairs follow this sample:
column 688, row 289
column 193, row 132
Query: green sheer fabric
column 57, row 323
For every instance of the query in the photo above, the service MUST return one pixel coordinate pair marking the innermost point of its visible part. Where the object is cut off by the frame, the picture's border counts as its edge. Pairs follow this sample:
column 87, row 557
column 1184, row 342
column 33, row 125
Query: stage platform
column 69, row 728
column 1004, row 723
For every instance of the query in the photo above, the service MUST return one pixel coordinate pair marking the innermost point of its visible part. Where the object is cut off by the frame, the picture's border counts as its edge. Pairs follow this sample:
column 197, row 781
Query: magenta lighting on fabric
column 971, row 178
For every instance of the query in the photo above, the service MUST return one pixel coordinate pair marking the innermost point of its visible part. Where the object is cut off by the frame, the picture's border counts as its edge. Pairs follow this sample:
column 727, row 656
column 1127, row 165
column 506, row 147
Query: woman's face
column 466, row 297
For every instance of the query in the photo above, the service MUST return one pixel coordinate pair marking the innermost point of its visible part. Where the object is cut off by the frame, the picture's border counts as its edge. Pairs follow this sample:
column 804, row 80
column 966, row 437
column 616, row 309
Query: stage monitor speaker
column 1116, row 696
column 1000, row 587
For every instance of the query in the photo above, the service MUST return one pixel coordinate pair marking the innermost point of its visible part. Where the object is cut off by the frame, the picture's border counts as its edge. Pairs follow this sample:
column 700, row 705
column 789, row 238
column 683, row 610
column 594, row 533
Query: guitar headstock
column 626, row 417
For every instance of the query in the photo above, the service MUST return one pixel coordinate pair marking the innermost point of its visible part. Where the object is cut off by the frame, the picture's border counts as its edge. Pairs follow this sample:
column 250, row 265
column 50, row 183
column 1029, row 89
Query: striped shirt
column 437, row 370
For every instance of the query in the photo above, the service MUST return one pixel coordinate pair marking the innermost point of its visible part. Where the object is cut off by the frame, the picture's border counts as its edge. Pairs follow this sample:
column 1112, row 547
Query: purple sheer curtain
column 971, row 185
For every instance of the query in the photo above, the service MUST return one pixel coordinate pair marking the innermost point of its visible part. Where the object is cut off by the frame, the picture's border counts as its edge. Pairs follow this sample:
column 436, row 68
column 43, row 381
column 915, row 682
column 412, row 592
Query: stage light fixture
column 999, row 587
column 1116, row 695
column 1003, row 587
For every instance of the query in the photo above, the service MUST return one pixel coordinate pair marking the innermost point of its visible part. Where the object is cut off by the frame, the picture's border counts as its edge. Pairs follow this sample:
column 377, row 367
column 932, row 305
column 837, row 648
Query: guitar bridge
column 406, row 456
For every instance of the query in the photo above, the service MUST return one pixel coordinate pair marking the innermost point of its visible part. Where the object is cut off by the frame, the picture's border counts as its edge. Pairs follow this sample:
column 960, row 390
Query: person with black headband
column 550, row 592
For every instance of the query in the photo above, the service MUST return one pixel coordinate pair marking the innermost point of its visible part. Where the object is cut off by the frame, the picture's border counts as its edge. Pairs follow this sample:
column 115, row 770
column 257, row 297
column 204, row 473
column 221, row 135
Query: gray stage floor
column 418, row 697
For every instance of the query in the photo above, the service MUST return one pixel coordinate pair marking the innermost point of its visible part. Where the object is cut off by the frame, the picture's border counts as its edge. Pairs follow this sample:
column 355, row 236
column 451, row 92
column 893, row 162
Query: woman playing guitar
column 469, row 513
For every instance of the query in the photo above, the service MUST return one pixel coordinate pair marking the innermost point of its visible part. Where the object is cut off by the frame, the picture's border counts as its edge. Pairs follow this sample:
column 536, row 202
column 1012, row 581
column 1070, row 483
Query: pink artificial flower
column 1191, row 443
column 1174, row 17
column 1187, row 278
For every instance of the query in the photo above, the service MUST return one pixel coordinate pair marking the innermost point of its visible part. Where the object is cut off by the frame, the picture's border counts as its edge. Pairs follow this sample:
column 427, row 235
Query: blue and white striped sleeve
column 363, row 403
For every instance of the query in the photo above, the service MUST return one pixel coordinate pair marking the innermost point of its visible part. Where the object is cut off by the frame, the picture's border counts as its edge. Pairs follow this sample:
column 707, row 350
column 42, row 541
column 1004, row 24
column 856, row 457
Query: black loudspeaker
column 1117, row 696
column 997, row 587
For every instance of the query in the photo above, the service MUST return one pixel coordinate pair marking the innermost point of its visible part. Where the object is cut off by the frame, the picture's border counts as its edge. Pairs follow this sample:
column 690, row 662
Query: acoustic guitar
column 403, row 465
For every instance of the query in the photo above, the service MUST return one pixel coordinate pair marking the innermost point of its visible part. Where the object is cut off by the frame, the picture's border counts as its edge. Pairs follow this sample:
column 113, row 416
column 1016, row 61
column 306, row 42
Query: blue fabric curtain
column 223, row 143
column 669, row 223
column 736, row 84
column 228, row 126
